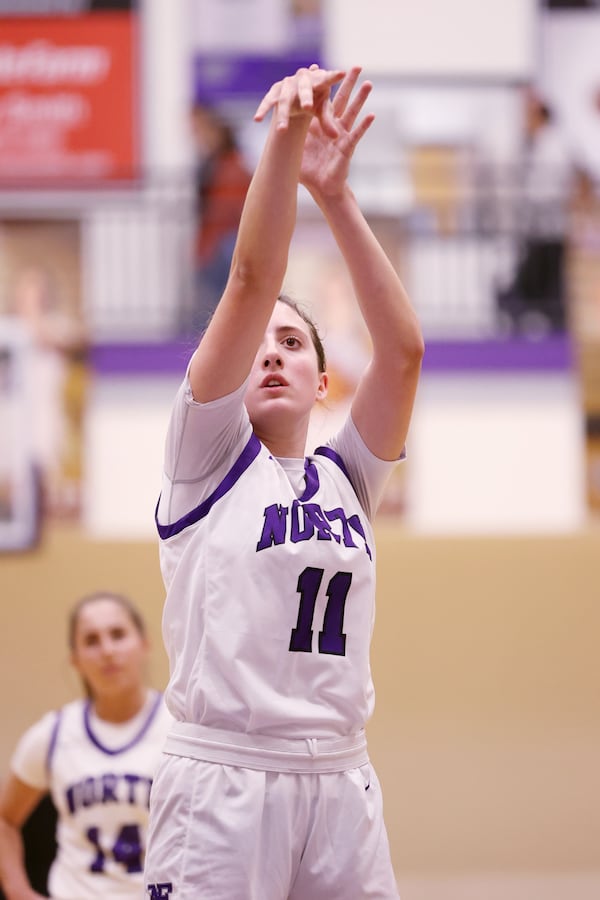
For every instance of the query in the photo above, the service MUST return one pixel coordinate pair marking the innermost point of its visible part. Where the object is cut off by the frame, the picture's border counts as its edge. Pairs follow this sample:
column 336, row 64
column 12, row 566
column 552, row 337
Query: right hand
column 306, row 93
column 326, row 158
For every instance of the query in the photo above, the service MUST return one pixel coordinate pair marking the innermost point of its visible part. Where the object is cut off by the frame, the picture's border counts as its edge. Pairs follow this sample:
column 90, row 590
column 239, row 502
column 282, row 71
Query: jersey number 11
column 332, row 638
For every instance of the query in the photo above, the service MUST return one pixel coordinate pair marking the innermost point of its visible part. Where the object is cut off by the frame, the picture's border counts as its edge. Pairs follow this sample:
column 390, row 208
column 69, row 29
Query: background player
column 97, row 758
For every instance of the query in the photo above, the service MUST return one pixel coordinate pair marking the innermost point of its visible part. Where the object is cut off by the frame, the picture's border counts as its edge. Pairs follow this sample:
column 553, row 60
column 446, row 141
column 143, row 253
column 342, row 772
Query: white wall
column 166, row 81
column 497, row 454
column 487, row 454
column 125, row 431
column 440, row 38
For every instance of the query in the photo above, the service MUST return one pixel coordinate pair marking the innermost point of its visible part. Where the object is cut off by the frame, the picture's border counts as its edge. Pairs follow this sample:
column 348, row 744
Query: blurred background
column 126, row 143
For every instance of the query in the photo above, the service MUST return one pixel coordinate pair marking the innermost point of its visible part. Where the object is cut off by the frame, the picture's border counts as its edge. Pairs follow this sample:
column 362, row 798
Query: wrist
column 334, row 197
column 297, row 123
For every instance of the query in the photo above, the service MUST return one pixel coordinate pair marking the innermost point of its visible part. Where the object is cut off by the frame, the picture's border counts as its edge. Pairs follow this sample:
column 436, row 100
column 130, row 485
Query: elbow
column 252, row 275
column 403, row 338
column 409, row 359
column 416, row 350
column 413, row 349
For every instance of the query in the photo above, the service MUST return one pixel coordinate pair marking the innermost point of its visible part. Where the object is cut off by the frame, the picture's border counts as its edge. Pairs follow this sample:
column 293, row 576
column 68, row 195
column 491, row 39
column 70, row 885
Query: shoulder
column 43, row 727
column 202, row 435
column 214, row 423
column 366, row 472
column 30, row 758
column 70, row 715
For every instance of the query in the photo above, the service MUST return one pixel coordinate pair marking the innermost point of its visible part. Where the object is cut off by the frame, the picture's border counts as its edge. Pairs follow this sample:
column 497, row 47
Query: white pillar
column 165, row 84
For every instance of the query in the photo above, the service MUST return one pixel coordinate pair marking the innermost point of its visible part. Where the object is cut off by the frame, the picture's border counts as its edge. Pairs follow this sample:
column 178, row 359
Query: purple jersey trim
column 53, row 739
column 336, row 458
column 311, row 477
column 246, row 457
column 135, row 740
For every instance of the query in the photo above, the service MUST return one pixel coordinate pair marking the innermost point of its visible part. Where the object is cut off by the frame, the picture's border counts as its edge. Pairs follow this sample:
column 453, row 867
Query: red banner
column 68, row 98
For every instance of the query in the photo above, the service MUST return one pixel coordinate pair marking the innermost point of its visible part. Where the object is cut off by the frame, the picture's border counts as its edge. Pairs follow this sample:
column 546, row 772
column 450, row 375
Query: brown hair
column 302, row 311
column 314, row 332
column 124, row 602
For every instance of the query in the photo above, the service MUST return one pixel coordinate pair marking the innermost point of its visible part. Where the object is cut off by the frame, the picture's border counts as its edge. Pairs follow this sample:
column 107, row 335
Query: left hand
column 326, row 158
column 306, row 93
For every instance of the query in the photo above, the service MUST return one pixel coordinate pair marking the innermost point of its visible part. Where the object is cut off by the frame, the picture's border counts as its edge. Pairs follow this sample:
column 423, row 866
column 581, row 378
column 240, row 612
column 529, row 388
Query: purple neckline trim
column 136, row 738
column 337, row 459
column 553, row 353
column 311, row 478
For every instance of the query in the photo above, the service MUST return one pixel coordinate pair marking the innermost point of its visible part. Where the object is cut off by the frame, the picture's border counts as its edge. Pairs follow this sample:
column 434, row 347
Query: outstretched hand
column 306, row 93
column 327, row 152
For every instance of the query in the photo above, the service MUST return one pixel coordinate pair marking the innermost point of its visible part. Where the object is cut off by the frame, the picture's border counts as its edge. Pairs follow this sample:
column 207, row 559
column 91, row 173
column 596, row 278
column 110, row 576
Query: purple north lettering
column 355, row 523
column 274, row 526
column 160, row 890
column 304, row 521
column 109, row 788
column 314, row 521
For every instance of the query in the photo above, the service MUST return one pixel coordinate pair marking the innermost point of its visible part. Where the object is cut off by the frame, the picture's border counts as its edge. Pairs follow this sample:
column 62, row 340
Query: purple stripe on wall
column 222, row 76
column 552, row 354
column 168, row 358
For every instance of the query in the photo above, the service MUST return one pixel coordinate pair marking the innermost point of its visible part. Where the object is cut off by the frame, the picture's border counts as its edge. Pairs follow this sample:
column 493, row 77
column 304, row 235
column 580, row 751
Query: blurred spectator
column 222, row 180
column 534, row 301
column 306, row 24
column 58, row 373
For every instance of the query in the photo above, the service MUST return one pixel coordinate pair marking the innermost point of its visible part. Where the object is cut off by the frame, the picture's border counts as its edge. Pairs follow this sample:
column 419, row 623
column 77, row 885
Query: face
column 285, row 380
column 206, row 132
column 109, row 652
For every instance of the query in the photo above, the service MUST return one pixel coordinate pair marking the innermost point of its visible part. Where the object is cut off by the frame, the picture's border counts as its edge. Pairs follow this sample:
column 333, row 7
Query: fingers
column 268, row 101
column 305, row 91
column 351, row 113
column 361, row 129
column 346, row 109
column 293, row 89
column 344, row 91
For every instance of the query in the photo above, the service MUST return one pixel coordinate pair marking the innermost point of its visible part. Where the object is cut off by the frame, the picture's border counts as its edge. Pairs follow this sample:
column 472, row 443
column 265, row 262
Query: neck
column 289, row 443
column 283, row 450
column 121, row 707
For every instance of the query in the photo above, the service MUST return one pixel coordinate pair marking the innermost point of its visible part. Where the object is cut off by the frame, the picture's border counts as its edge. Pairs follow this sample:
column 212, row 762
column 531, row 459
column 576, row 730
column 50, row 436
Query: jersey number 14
column 126, row 850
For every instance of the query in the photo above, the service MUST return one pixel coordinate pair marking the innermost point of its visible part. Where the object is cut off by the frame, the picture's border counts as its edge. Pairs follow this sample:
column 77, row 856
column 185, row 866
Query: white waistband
column 271, row 754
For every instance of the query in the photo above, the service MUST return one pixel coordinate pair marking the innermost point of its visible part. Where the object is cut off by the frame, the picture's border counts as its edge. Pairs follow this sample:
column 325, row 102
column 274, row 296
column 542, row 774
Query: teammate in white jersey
column 96, row 757
column 265, row 791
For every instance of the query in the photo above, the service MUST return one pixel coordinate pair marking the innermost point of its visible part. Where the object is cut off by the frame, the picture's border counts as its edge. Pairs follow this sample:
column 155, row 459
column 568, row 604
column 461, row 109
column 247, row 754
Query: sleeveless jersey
column 270, row 598
column 102, row 797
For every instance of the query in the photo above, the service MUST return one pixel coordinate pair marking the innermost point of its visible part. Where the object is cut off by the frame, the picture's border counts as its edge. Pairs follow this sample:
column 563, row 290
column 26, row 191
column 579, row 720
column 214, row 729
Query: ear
column 323, row 386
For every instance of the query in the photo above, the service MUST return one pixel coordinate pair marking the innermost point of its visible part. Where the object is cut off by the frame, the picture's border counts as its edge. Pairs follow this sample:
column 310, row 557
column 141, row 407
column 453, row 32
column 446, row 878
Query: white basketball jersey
column 102, row 796
column 270, row 601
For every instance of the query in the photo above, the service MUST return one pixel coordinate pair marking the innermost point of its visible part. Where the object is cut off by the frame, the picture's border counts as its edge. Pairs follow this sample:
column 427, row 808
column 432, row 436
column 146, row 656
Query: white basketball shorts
column 231, row 832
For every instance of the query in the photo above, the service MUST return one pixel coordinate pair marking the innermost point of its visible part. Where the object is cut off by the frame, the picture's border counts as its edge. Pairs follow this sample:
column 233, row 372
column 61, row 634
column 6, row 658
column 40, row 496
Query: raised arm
column 383, row 403
column 229, row 345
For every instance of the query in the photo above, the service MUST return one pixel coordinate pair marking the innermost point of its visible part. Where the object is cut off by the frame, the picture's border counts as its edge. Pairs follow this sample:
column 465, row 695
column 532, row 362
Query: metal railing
column 458, row 246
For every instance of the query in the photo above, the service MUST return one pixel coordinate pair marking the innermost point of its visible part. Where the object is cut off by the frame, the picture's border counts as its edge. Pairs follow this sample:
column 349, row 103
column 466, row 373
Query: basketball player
column 96, row 757
column 265, row 791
